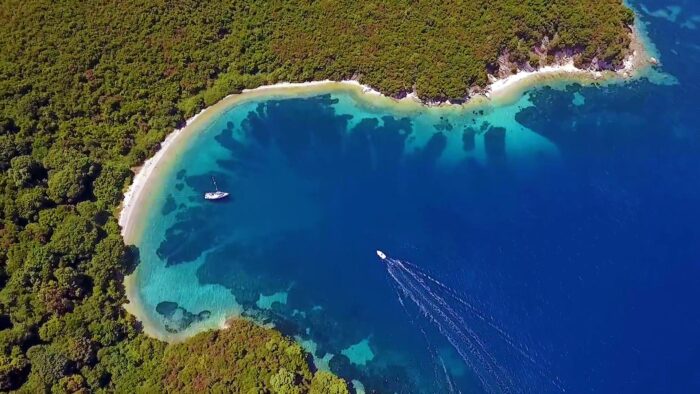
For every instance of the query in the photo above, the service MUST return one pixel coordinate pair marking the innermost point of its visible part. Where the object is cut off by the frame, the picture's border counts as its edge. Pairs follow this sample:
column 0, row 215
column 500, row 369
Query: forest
column 89, row 89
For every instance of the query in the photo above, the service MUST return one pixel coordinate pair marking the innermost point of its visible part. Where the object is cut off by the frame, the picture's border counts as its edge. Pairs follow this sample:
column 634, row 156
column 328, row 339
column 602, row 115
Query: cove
column 318, row 183
column 568, row 215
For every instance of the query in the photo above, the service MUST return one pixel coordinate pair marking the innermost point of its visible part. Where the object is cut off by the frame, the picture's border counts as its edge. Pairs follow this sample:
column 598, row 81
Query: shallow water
column 567, row 219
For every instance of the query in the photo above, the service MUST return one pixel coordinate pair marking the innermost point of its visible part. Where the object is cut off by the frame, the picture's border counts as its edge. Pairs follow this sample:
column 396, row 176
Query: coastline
column 500, row 91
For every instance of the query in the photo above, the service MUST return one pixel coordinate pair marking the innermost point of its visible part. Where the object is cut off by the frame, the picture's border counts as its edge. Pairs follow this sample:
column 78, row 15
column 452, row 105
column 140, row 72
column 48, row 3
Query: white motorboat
column 381, row 255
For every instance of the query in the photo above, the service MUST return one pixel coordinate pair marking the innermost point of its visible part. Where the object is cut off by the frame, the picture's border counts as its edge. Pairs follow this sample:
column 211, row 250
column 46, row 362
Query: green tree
column 23, row 170
column 13, row 365
column 30, row 202
column 283, row 382
column 49, row 364
column 326, row 383
column 8, row 150
column 109, row 185
column 74, row 239
column 72, row 384
column 68, row 184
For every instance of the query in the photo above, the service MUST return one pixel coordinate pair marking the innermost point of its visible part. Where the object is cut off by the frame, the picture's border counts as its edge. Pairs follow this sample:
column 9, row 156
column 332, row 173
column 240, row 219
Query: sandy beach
column 145, row 182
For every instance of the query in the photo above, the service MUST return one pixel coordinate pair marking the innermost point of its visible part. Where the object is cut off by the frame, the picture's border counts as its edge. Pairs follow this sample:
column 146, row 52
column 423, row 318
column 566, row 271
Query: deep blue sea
column 551, row 244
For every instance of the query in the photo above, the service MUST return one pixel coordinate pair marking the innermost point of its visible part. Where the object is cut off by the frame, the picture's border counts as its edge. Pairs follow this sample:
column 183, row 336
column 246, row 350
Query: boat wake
column 499, row 362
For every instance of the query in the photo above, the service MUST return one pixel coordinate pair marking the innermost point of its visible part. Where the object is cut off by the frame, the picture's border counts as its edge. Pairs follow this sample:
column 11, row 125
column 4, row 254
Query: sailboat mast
column 215, row 185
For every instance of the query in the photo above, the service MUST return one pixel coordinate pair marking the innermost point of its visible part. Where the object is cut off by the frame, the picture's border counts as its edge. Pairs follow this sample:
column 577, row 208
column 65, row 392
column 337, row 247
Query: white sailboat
column 216, row 195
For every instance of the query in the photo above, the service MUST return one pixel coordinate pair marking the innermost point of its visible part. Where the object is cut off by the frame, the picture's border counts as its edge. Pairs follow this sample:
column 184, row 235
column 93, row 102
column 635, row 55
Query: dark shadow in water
column 443, row 125
column 177, row 318
column 432, row 151
column 169, row 206
column 495, row 143
column 469, row 139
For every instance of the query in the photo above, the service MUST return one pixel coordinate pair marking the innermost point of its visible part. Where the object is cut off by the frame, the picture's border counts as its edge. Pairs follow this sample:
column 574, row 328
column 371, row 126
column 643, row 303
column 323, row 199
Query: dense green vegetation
column 88, row 89
column 263, row 359
column 244, row 358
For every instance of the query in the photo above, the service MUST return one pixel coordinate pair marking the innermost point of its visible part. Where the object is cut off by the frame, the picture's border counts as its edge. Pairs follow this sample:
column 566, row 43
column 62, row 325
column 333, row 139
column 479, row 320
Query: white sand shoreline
column 143, row 173
column 502, row 89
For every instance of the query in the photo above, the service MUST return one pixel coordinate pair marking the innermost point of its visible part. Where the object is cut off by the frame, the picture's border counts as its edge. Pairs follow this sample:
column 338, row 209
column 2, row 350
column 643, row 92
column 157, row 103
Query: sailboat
column 217, row 195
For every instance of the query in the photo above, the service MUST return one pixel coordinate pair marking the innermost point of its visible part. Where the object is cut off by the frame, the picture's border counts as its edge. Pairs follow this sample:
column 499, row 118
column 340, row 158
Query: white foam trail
column 436, row 302
column 488, row 320
column 450, row 386
column 523, row 350
column 458, row 334
column 433, row 353
column 453, row 334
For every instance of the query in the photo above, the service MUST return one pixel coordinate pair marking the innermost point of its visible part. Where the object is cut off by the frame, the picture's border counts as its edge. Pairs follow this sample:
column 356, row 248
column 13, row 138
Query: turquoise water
column 544, row 245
